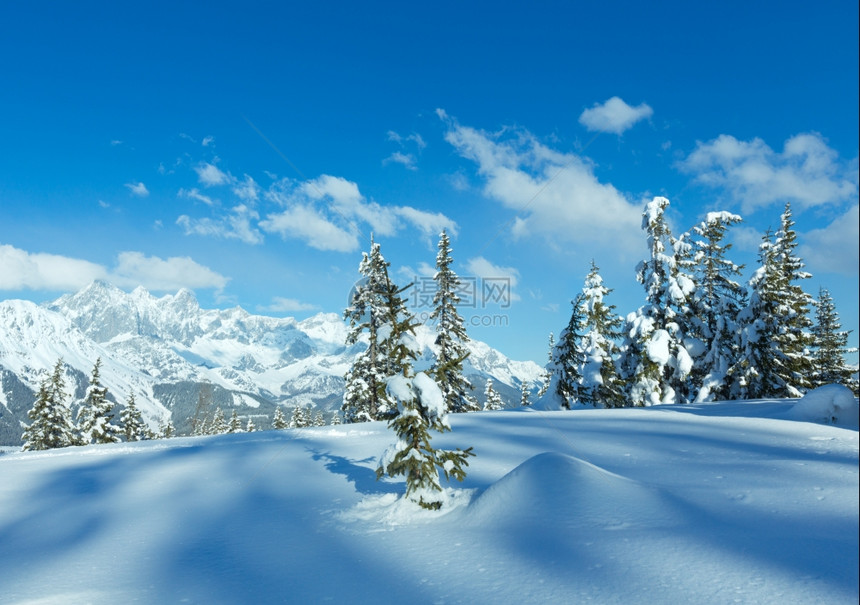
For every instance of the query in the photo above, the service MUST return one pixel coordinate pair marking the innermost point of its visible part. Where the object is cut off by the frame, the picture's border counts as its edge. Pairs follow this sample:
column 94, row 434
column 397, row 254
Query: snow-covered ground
column 717, row 503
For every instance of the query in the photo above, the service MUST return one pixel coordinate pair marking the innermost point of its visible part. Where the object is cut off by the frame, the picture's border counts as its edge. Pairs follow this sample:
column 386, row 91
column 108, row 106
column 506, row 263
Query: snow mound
column 830, row 404
column 561, row 489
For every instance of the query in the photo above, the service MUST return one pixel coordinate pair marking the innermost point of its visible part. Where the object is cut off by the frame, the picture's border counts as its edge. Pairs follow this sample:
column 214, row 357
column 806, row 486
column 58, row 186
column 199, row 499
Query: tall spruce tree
column 451, row 335
column 655, row 361
column 421, row 408
column 365, row 397
column 830, row 346
column 715, row 306
column 776, row 340
column 525, row 393
column 600, row 384
column 568, row 357
column 52, row 425
column 548, row 369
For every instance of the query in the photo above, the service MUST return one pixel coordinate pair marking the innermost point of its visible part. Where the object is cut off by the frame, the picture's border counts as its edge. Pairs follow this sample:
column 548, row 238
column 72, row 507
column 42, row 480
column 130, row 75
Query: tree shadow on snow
column 355, row 471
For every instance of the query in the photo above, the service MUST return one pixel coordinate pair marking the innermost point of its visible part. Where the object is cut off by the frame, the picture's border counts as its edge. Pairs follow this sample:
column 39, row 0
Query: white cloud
column 834, row 249
column 138, row 189
column 236, row 225
column 488, row 272
column 195, row 194
column 207, row 141
column 614, row 116
column 210, row 175
column 23, row 270
column 807, row 172
column 556, row 194
column 306, row 224
column 157, row 274
column 398, row 157
column 247, row 190
column 429, row 223
column 287, row 305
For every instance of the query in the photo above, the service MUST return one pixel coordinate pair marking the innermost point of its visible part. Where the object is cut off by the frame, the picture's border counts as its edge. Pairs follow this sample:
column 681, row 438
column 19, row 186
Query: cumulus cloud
column 555, row 194
column 328, row 212
column 39, row 271
column 210, row 175
column 157, row 274
column 310, row 226
column 614, row 116
column 287, row 305
column 834, row 248
column 23, row 270
column 807, row 172
column 247, row 189
column 138, row 189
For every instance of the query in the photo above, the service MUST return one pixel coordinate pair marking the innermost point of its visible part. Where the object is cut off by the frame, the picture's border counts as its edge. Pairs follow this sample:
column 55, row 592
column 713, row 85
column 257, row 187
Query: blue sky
column 248, row 150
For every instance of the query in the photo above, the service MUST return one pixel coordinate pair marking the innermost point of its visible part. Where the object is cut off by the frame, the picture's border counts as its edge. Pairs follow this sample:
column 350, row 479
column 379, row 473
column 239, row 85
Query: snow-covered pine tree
column 600, row 384
column 94, row 417
column 234, row 425
column 654, row 358
column 250, row 427
column 492, row 401
column 568, row 357
column 335, row 419
column 219, row 424
column 319, row 419
column 830, row 346
column 166, row 430
column 547, row 374
column 525, row 393
column 299, row 418
column 279, row 422
column 451, row 335
column 365, row 397
column 794, row 339
column 420, row 408
column 52, row 424
column 775, row 360
column 715, row 306
column 133, row 427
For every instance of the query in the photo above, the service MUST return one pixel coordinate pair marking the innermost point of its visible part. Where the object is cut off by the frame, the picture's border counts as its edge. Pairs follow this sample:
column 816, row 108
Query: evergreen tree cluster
column 701, row 335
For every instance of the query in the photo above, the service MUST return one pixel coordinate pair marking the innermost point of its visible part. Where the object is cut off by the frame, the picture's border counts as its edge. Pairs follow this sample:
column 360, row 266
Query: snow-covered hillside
column 180, row 360
column 716, row 503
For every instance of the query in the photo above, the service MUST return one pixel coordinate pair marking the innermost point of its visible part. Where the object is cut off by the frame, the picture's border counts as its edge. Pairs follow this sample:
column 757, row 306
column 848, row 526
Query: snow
column 705, row 503
column 658, row 347
column 829, row 404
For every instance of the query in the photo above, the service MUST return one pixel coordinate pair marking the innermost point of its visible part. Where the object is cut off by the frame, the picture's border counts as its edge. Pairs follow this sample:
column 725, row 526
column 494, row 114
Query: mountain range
column 181, row 362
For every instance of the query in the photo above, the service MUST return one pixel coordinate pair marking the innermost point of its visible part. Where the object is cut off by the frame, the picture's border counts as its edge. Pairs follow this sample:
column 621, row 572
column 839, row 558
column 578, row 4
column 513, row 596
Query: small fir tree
column 279, row 422
column 420, row 408
column 250, row 427
column 133, row 427
column 830, row 346
column 52, row 425
column 94, row 417
column 492, row 401
column 235, row 425
column 167, row 430
column 219, row 424
column 525, row 394
column 548, row 372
